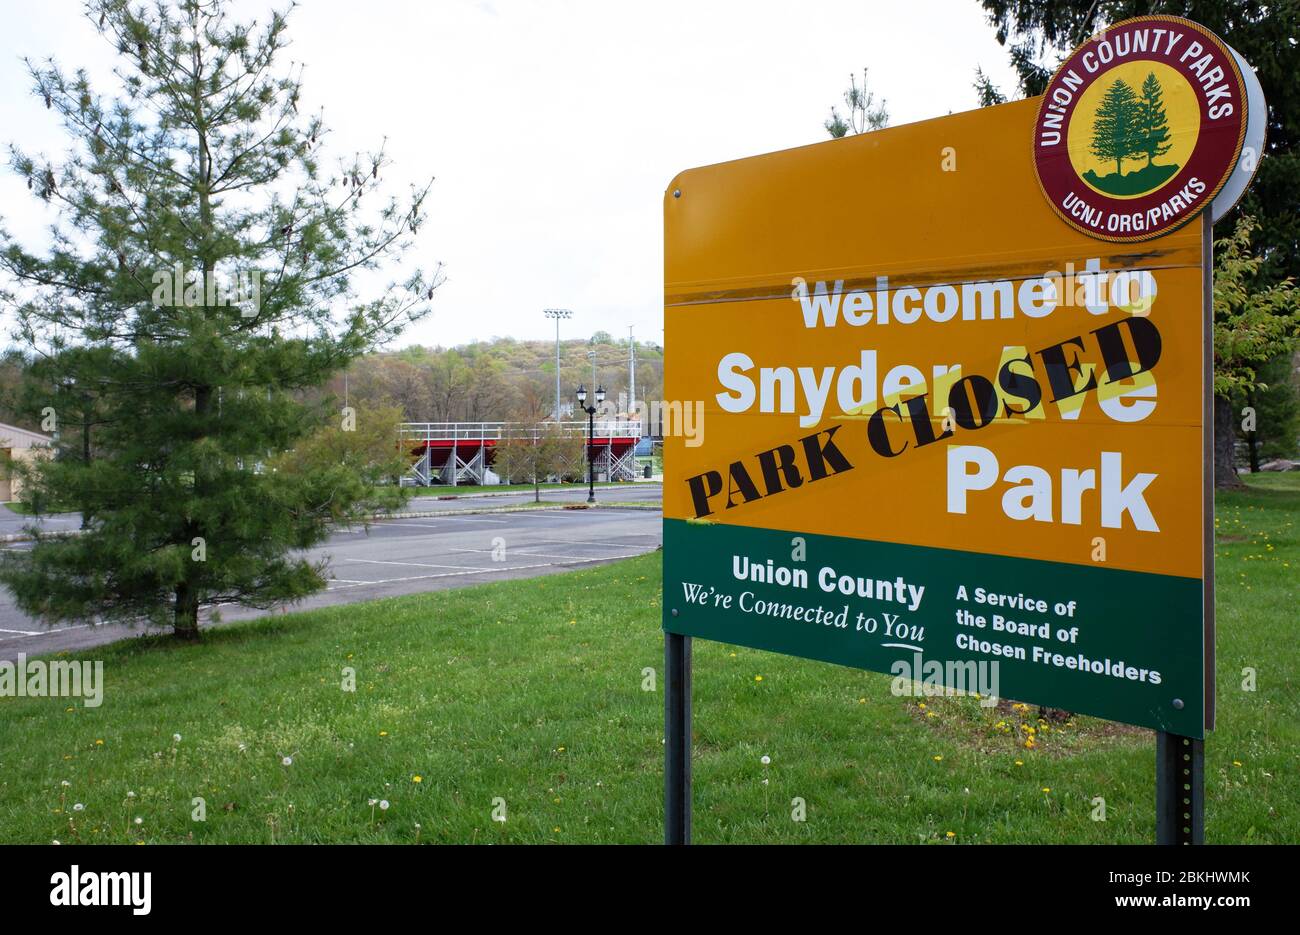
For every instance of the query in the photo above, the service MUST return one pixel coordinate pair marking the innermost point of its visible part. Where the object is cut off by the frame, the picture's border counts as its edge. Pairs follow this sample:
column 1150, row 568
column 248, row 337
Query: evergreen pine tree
column 1153, row 124
column 199, row 171
column 1115, row 127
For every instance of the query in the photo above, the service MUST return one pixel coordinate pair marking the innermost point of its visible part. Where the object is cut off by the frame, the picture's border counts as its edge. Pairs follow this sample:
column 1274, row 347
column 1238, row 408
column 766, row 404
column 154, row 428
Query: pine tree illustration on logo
column 1128, row 126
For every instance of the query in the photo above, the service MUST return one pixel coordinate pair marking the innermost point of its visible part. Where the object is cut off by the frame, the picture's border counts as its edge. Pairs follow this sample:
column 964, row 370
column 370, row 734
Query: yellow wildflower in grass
column 1047, row 788
column 938, row 758
column 758, row 678
column 383, row 733
column 1236, row 762
column 1020, row 762
column 921, row 705
column 417, row 779
column 950, row 834
column 99, row 743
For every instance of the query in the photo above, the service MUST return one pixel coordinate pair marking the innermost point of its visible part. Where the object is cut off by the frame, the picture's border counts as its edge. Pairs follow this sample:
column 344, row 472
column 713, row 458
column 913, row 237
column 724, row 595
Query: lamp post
column 591, row 431
column 557, row 314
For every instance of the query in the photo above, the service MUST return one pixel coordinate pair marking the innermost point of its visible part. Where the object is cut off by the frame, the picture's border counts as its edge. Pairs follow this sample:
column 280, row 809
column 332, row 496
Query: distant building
column 18, row 445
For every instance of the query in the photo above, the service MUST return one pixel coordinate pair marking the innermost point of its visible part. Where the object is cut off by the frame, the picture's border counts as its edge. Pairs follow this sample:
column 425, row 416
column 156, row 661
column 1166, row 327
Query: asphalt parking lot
column 411, row 555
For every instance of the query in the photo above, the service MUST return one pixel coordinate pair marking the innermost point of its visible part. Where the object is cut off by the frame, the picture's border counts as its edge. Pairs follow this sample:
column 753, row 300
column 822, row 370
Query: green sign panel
column 943, row 618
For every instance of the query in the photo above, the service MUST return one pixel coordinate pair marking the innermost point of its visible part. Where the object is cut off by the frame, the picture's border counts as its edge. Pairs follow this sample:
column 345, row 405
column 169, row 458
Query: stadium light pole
column 557, row 314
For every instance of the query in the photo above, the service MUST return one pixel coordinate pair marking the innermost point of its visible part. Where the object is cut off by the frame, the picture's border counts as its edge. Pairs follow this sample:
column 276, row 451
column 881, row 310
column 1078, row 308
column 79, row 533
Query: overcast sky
column 553, row 127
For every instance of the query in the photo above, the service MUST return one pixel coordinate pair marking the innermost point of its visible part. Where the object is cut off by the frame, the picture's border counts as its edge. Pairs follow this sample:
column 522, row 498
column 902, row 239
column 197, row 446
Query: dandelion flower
column 1020, row 762
column 99, row 743
column 950, row 834
column 417, row 779
column 130, row 795
column 383, row 805
column 78, row 807
column 287, row 761
column 65, row 784
column 765, row 760
column 1047, row 788
column 176, row 738
column 938, row 758
column 139, row 820
column 373, row 802
column 758, row 678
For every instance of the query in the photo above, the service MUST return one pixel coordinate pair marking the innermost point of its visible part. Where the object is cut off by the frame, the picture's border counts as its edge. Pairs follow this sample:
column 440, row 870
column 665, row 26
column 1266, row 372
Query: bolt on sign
column 956, row 384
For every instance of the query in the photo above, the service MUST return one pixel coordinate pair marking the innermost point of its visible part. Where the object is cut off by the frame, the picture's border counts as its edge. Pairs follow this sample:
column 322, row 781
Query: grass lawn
column 531, row 692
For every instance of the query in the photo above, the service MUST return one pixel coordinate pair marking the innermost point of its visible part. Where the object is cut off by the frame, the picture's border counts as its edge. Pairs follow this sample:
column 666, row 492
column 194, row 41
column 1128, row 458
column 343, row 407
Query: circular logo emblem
column 1139, row 128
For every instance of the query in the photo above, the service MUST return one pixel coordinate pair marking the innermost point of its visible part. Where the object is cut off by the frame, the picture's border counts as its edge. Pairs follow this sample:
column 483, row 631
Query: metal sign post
column 677, row 739
column 1180, row 789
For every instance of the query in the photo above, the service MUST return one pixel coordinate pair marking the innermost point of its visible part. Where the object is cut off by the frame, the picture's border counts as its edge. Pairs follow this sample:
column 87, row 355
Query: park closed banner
column 955, row 381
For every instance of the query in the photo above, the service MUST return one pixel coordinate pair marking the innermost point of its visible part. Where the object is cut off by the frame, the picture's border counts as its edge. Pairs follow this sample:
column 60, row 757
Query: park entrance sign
column 938, row 422
column 956, row 430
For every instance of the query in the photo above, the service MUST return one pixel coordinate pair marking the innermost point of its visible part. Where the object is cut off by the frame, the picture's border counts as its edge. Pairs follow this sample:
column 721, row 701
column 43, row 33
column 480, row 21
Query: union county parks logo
column 1139, row 128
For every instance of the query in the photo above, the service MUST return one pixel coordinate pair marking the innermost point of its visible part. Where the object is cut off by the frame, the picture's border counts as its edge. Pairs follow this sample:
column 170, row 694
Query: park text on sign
column 947, row 433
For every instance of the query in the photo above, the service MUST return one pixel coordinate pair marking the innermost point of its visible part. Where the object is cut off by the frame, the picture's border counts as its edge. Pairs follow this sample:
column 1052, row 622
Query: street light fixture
column 557, row 314
column 591, row 431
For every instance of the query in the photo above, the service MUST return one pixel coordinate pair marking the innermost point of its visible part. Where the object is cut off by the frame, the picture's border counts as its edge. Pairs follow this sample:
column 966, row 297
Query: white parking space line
column 445, row 574
column 375, row 561
column 28, row 634
column 569, row 560
column 524, row 551
column 604, row 543
column 397, row 521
